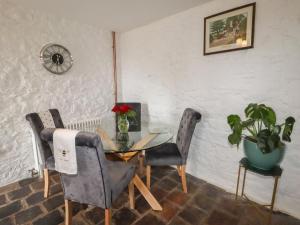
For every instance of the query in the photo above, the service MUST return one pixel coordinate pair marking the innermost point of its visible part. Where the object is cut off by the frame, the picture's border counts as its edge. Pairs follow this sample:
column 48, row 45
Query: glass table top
column 133, row 141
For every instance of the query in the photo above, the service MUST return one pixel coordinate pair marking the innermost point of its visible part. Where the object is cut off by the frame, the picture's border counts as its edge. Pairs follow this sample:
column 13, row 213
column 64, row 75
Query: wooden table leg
column 146, row 193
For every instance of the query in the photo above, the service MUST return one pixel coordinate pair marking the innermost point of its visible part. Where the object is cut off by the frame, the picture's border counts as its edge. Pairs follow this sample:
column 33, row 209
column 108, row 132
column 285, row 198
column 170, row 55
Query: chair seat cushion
column 163, row 155
column 120, row 174
column 50, row 164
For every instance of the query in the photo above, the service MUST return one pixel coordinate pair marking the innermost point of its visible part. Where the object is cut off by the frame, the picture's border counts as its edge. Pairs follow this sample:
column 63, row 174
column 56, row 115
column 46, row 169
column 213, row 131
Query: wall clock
column 56, row 58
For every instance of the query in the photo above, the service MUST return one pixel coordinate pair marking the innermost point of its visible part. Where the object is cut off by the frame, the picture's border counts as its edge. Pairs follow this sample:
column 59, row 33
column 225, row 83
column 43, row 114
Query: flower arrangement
column 124, row 110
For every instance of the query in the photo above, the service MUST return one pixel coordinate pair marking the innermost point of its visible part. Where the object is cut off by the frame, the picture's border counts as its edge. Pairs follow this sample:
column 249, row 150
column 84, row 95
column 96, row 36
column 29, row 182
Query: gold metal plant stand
column 275, row 173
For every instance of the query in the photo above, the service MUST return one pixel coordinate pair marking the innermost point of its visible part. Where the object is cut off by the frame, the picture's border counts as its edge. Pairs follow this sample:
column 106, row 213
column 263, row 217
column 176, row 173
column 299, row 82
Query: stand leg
column 244, row 181
column 273, row 198
column 238, row 183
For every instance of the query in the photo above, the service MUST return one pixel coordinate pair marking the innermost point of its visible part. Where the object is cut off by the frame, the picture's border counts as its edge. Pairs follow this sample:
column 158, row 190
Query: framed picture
column 230, row 30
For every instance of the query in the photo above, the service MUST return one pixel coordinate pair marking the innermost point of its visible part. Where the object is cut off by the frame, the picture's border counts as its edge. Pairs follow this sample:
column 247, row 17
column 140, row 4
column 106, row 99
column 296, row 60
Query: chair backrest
column 134, row 123
column 186, row 129
column 91, row 185
column 37, row 126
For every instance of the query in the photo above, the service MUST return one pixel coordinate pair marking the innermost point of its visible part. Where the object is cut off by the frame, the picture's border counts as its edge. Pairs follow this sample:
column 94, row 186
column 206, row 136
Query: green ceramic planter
column 258, row 159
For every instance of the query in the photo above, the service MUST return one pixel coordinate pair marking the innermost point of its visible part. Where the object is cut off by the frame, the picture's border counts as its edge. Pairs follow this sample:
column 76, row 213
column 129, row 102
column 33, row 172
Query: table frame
column 126, row 157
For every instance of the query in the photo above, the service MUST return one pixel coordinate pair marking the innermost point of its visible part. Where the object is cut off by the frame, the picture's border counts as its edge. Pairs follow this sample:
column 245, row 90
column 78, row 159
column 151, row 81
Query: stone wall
column 162, row 65
column 86, row 91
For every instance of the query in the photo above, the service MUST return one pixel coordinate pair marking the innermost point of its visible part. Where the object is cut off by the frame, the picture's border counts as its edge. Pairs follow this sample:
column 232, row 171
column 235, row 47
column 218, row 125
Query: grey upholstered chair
column 175, row 153
column 37, row 126
column 98, row 181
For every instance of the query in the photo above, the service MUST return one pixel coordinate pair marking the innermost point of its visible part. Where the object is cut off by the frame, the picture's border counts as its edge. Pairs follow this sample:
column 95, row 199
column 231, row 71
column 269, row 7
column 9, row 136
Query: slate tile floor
column 205, row 204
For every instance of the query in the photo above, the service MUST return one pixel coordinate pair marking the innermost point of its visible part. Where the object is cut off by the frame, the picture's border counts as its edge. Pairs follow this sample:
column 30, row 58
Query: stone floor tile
column 149, row 219
column 141, row 205
column 54, row 202
column 28, row 181
column 221, row 218
column 167, row 184
column 56, row 178
column 52, row 218
column 232, row 206
column 56, row 188
column 279, row 218
column 39, row 185
column 177, row 221
column 6, row 221
column 20, row 193
column 192, row 215
column 124, row 216
column 121, row 200
column 9, row 187
column 10, row 209
column 28, row 215
column 158, row 193
column 35, row 198
column 168, row 212
column 178, row 197
column 2, row 200
column 204, row 203
column 95, row 215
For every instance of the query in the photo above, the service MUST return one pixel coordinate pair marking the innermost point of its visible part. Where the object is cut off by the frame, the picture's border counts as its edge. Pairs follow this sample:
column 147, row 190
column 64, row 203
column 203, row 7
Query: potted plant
column 263, row 144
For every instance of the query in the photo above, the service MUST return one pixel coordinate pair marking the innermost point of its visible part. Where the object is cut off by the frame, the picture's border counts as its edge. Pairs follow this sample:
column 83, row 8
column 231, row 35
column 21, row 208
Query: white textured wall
column 162, row 65
column 86, row 91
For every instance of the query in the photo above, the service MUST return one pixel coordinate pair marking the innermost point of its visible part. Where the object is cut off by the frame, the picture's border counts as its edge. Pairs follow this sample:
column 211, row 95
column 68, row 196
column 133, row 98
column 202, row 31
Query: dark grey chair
column 44, row 149
column 174, row 153
column 98, row 181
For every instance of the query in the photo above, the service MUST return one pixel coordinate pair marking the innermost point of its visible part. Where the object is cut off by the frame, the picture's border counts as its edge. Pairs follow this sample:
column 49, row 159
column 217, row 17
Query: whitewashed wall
column 162, row 65
column 86, row 91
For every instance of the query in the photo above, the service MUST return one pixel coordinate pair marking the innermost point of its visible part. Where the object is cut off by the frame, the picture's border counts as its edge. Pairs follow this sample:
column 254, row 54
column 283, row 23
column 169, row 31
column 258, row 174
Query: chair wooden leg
column 107, row 216
column 148, row 176
column 131, row 194
column 183, row 179
column 46, row 183
column 179, row 170
column 68, row 212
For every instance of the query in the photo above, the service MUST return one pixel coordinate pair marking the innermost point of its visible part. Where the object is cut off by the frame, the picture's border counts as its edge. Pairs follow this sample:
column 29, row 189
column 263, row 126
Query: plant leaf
column 277, row 129
column 234, row 138
column 232, row 120
column 262, row 140
column 248, row 123
column 273, row 141
column 288, row 129
column 268, row 116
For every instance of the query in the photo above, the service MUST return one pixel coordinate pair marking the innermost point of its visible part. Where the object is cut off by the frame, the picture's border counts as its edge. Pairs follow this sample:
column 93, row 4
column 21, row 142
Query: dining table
column 126, row 146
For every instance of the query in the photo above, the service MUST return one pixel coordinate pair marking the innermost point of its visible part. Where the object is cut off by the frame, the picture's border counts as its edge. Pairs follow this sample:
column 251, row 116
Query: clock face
column 56, row 58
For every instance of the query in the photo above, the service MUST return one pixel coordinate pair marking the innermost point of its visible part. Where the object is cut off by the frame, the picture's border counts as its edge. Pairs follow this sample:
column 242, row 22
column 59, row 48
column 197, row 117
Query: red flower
column 116, row 109
column 125, row 108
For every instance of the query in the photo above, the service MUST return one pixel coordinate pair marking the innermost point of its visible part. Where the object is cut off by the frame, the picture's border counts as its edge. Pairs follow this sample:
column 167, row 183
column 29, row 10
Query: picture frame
column 230, row 30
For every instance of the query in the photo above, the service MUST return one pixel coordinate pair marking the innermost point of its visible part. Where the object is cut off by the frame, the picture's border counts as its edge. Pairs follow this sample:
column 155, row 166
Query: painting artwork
column 230, row 30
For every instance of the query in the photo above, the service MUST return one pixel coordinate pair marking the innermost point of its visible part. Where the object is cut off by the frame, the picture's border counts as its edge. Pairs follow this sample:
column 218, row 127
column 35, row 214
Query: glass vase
column 123, row 124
